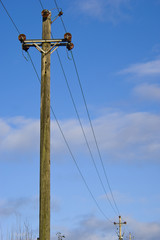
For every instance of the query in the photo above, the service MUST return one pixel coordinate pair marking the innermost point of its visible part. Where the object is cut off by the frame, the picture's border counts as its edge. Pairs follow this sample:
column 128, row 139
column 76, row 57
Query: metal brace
column 45, row 52
column 55, row 43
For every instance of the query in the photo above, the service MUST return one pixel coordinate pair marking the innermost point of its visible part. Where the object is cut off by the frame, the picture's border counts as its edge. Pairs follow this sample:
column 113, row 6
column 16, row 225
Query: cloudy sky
column 117, row 54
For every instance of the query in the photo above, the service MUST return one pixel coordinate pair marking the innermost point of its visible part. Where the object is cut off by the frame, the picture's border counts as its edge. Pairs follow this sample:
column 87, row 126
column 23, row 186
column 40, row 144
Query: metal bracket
column 59, row 14
column 54, row 43
column 45, row 52
column 38, row 48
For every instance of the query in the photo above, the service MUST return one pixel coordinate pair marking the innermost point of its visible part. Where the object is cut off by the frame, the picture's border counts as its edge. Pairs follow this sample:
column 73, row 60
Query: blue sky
column 117, row 52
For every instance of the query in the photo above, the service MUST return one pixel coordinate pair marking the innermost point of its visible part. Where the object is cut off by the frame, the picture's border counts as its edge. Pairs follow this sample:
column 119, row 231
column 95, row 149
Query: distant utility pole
column 46, row 46
column 130, row 238
column 120, row 225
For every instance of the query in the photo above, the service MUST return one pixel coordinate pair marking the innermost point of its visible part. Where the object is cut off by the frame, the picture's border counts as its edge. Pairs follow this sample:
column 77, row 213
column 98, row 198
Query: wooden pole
column 44, row 213
column 120, row 232
column 120, row 225
column 48, row 47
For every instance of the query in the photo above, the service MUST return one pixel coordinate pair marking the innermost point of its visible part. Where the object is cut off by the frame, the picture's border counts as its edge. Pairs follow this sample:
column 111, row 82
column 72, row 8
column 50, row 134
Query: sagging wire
column 61, row 128
column 93, row 132
column 41, row 4
column 24, row 55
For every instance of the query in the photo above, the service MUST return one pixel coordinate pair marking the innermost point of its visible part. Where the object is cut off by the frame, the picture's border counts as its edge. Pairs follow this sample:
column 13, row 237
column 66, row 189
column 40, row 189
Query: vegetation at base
column 19, row 233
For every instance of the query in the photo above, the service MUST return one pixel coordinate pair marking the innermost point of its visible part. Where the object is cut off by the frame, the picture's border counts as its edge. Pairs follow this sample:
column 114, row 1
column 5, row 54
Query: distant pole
column 130, row 237
column 44, row 213
column 120, row 229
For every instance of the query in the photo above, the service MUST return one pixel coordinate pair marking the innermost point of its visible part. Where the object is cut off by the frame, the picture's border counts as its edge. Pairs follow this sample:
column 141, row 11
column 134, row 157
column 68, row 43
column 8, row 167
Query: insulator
column 70, row 46
column 60, row 13
column 45, row 13
column 24, row 47
column 22, row 37
column 68, row 37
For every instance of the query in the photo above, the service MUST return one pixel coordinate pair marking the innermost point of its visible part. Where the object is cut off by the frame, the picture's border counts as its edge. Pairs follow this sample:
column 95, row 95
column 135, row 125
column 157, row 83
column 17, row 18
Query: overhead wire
column 18, row 33
column 85, row 137
column 10, row 17
column 61, row 17
column 69, row 149
column 88, row 117
column 83, row 131
column 91, row 125
column 79, row 168
column 94, row 135
column 41, row 4
column 58, row 122
column 60, row 127
column 78, row 119
column 104, row 189
column 74, row 104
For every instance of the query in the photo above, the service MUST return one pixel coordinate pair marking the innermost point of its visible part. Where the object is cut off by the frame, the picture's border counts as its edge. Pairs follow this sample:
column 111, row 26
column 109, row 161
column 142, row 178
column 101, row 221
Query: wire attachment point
column 68, row 37
column 70, row 46
column 59, row 15
column 24, row 56
column 22, row 38
column 70, row 58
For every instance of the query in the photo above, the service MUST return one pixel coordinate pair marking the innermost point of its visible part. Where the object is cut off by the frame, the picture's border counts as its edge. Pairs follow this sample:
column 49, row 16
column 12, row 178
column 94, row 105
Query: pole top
column 45, row 13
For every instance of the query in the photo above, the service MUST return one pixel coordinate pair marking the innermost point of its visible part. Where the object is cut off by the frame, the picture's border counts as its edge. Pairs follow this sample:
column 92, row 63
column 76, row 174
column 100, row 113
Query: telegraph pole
column 44, row 213
column 120, row 225
column 130, row 238
column 46, row 46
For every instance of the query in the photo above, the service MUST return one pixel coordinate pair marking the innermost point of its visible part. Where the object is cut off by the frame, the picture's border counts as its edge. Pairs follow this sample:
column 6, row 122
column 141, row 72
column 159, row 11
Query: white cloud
column 151, row 68
column 109, row 10
column 9, row 207
column 19, row 135
column 90, row 227
column 148, row 92
column 5, row 128
column 121, row 137
column 144, row 230
column 92, row 7
column 15, row 207
column 129, row 136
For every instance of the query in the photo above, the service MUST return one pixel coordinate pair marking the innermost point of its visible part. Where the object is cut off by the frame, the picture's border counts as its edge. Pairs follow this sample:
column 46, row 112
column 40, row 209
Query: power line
column 60, row 16
column 61, row 129
column 10, row 17
column 94, row 135
column 74, row 104
column 19, row 33
column 93, row 132
column 69, row 149
column 79, row 117
column 41, row 4
column 34, row 67
column 78, row 114
column 85, row 137
column 79, row 168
